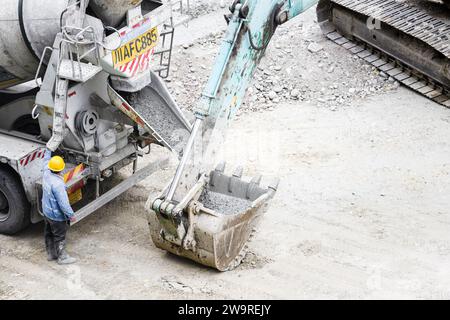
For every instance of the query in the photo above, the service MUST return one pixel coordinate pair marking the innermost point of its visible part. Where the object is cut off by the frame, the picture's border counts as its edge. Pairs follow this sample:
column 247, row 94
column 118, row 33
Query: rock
column 272, row 95
column 352, row 90
column 383, row 75
column 277, row 89
column 277, row 68
column 314, row 47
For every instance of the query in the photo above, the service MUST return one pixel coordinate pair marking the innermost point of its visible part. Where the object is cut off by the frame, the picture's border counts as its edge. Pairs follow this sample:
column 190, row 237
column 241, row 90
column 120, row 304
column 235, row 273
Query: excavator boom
column 204, row 214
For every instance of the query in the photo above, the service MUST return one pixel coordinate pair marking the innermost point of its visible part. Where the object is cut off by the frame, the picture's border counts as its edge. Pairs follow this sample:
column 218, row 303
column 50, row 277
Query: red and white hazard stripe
column 138, row 64
column 145, row 63
column 37, row 154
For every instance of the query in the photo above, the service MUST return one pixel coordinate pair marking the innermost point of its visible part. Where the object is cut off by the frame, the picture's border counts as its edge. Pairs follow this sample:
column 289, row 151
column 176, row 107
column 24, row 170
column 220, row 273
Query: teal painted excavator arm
column 251, row 26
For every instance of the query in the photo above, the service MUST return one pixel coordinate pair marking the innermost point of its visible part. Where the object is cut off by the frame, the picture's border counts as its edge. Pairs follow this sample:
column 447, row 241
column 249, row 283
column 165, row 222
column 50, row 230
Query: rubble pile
column 300, row 66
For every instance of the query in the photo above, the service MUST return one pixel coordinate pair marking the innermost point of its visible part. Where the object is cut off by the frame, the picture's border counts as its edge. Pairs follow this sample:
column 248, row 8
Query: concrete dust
column 361, row 211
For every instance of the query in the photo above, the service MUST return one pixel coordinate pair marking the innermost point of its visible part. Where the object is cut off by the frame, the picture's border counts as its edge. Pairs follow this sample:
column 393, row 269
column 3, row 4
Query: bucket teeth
column 238, row 172
column 253, row 186
column 221, row 167
column 256, row 180
column 274, row 184
column 234, row 179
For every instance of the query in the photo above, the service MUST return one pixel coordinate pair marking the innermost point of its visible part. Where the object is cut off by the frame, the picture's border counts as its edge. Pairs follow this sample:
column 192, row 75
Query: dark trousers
column 55, row 234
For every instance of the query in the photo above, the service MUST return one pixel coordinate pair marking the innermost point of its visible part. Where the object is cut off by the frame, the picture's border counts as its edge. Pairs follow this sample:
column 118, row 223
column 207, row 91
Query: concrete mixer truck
column 62, row 64
column 84, row 80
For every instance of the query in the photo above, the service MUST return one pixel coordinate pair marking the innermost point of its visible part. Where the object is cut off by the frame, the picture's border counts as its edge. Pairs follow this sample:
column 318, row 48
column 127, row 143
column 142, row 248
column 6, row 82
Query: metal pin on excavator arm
column 205, row 215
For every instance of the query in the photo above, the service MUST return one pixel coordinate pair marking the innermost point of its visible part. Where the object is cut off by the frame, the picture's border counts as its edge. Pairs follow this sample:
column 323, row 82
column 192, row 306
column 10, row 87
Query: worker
column 57, row 210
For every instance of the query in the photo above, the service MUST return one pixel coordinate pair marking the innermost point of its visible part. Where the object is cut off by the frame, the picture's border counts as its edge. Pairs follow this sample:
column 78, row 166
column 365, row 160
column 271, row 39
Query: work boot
column 51, row 250
column 63, row 256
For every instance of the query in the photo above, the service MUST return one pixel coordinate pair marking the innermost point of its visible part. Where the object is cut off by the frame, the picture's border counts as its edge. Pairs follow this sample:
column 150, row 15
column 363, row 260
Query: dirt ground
column 362, row 208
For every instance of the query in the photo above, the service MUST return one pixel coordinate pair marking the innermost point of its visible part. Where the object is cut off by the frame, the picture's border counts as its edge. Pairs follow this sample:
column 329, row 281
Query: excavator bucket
column 215, row 232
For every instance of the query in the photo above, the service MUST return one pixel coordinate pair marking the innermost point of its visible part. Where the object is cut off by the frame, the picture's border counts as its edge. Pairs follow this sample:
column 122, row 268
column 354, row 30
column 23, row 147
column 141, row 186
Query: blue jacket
column 55, row 202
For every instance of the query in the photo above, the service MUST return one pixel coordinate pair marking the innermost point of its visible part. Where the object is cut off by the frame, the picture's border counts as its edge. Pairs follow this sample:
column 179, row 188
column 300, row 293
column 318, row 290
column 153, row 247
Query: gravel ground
column 300, row 65
column 362, row 208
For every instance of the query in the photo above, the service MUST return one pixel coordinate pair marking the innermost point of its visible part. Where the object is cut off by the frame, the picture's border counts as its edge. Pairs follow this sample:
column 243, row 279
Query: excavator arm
column 204, row 214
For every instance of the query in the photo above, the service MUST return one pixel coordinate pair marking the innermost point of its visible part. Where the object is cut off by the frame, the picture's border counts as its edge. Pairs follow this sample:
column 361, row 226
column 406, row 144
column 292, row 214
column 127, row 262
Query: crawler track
column 407, row 40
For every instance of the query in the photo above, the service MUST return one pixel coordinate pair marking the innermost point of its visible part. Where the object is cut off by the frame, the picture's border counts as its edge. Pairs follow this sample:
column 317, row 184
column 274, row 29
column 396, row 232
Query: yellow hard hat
column 56, row 164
